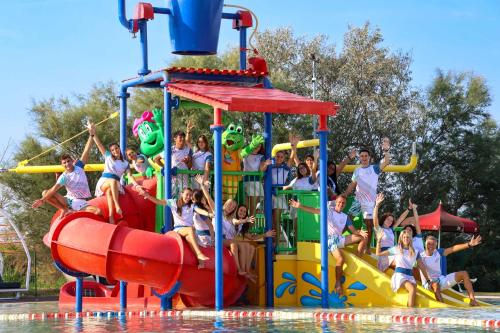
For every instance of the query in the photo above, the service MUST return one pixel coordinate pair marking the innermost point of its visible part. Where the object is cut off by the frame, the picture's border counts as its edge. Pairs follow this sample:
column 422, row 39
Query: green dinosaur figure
column 233, row 152
column 149, row 129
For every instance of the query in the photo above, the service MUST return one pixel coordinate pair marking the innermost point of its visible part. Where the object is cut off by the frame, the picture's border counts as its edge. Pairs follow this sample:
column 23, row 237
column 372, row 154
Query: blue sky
column 59, row 47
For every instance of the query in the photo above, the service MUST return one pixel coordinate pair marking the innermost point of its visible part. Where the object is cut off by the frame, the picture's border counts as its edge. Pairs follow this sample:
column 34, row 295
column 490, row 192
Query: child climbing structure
column 154, row 270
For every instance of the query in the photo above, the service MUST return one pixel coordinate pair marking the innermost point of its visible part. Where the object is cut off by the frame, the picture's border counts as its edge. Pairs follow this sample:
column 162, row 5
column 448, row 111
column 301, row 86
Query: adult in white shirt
column 435, row 262
column 365, row 180
column 337, row 222
column 75, row 181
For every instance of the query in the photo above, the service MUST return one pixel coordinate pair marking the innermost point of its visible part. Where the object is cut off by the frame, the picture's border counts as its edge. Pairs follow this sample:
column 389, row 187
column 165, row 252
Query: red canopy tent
column 440, row 220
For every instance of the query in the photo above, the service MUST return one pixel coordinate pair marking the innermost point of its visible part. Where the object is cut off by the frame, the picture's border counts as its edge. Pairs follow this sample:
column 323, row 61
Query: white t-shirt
column 303, row 184
column 115, row 167
column 186, row 217
column 280, row 174
column 337, row 222
column 367, row 181
column 141, row 164
column 178, row 155
column 76, row 183
column 252, row 163
column 418, row 243
column 433, row 263
column 388, row 239
column 200, row 158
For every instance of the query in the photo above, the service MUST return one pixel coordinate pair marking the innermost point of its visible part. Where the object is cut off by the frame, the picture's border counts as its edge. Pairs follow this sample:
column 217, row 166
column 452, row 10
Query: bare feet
column 66, row 212
column 202, row 257
column 473, row 302
column 111, row 219
column 119, row 211
column 242, row 273
column 252, row 277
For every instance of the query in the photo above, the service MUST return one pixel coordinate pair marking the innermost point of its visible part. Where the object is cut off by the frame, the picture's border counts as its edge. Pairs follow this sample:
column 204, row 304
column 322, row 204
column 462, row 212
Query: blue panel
column 323, row 140
column 219, row 278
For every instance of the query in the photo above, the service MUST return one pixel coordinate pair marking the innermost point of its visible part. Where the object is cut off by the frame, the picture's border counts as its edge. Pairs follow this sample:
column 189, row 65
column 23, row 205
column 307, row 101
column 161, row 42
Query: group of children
column 193, row 210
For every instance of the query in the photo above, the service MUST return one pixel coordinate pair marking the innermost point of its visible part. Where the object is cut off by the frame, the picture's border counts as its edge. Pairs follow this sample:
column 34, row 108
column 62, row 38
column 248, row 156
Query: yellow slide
column 297, row 283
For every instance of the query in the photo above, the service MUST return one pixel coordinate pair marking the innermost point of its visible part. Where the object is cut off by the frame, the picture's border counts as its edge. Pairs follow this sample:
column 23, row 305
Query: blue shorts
column 336, row 242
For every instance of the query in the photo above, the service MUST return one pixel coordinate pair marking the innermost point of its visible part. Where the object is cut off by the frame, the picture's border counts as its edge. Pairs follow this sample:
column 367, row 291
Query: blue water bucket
column 194, row 26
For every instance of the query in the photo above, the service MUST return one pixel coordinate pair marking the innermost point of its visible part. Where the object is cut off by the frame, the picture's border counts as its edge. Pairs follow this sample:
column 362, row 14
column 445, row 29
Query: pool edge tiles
column 275, row 315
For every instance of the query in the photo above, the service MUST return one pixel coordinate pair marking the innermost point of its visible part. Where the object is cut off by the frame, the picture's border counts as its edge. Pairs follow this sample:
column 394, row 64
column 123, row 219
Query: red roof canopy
column 441, row 220
column 251, row 99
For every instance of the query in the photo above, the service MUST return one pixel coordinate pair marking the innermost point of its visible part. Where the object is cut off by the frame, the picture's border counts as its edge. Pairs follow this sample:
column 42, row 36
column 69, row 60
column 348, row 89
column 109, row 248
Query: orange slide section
column 81, row 242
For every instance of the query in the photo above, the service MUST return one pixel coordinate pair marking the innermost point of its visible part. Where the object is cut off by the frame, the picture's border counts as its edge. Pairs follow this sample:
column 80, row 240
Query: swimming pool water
column 199, row 325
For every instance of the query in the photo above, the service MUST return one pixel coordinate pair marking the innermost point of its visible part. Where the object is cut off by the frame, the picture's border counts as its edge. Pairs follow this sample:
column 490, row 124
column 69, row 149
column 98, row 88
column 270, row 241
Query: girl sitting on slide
column 229, row 224
column 203, row 213
column 109, row 183
column 245, row 248
column 182, row 211
column 404, row 258
column 386, row 225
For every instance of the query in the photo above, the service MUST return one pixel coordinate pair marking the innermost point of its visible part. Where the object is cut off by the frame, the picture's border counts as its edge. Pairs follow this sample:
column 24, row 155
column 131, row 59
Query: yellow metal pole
column 288, row 146
column 393, row 168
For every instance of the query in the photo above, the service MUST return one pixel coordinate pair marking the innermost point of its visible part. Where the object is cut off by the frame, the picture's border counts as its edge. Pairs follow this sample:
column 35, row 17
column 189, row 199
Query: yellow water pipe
column 393, row 168
column 53, row 168
column 288, row 146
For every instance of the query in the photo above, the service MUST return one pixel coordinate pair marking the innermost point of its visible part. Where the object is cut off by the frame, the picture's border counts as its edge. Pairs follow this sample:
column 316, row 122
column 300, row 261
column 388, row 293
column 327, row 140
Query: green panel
column 160, row 194
column 308, row 224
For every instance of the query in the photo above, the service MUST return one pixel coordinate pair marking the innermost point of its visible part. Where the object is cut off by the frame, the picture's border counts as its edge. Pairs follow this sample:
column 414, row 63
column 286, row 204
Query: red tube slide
column 82, row 242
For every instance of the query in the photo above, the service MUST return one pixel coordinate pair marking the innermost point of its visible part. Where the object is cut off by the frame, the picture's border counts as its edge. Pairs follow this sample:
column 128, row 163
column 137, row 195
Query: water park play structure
column 152, row 270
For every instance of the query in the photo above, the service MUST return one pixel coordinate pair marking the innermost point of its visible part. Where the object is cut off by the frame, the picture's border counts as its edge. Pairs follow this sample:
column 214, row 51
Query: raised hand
column 294, row 139
column 251, row 219
column 411, row 205
column 475, row 241
column 91, row 127
column 386, row 144
column 257, row 140
column 189, row 125
column 379, row 199
column 353, row 153
column 199, row 179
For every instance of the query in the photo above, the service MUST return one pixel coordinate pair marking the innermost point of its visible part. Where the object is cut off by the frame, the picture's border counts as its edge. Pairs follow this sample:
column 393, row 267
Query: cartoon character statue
column 149, row 129
column 233, row 152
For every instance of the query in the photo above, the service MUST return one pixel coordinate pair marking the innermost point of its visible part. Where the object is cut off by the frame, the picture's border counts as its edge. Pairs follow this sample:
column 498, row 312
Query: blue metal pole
column 79, row 294
column 268, row 211
column 268, row 204
column 219, row 278
column 143, row 29
column 166, row 303
column 323, row 140
column 123, row 295
column 123, row 118
column 243, row 48
column 167, row 133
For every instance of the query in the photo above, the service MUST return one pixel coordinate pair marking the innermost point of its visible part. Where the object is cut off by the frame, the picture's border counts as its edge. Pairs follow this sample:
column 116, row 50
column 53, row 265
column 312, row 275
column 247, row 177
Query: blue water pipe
column 143, row 36
column 217, row 128
column 268, row 204
column 123, row 295
column 79, row 294
column 323, row 141
column 243, row 48
column 123, row 118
